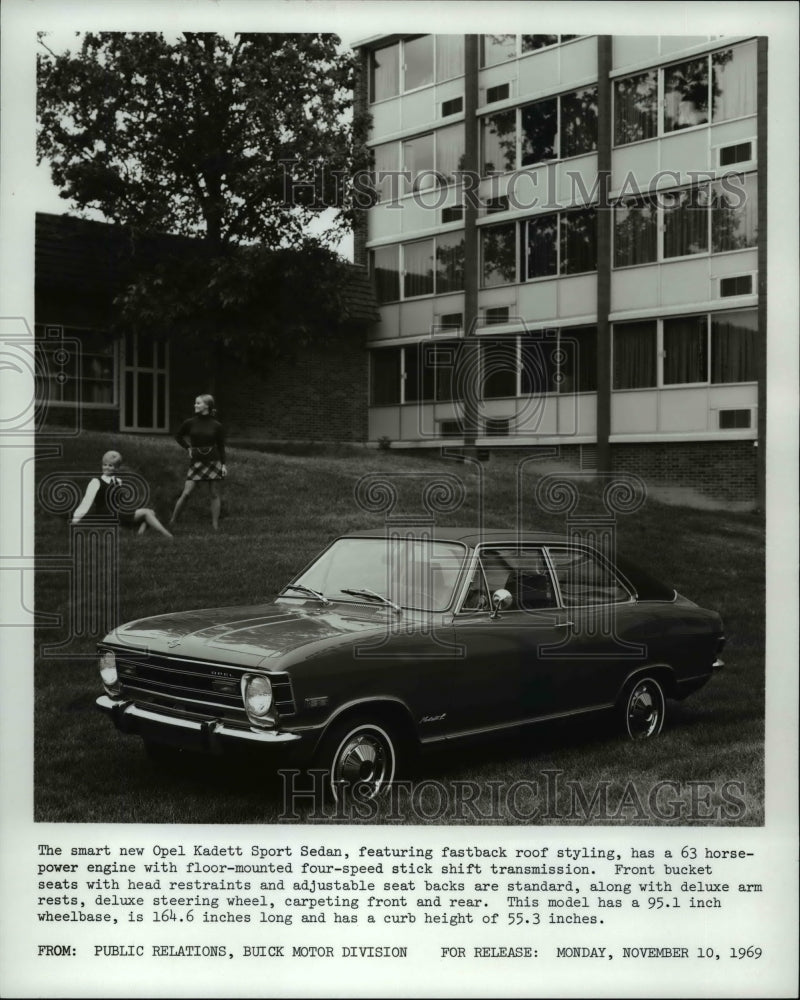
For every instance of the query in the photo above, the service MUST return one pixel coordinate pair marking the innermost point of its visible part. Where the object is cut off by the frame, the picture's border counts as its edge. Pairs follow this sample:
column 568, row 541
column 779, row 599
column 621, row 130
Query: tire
column 643, row 709
column 361, row 758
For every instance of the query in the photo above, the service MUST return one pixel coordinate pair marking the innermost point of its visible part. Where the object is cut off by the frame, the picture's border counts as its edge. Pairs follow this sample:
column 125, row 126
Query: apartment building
column 568, row 244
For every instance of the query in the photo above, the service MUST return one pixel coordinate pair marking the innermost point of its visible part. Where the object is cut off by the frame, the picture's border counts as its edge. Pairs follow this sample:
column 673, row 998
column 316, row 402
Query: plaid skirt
column 201, row 470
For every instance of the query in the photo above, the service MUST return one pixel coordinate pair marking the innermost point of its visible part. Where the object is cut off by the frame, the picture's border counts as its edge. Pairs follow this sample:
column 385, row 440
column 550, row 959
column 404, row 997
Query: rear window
column 647, row 588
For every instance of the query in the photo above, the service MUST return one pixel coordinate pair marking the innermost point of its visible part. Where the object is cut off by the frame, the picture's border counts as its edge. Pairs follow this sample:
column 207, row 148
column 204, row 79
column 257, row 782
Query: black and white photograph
column 399, row 461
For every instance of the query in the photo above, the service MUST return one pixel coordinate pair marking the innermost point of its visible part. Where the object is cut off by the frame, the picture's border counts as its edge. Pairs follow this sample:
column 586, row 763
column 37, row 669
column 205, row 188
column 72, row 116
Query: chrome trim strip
column 218, row 729
column 519, row 722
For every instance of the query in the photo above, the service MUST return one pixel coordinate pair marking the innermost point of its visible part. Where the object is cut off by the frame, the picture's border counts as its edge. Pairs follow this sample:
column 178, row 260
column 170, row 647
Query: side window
column 584, row 580
column 523, row 572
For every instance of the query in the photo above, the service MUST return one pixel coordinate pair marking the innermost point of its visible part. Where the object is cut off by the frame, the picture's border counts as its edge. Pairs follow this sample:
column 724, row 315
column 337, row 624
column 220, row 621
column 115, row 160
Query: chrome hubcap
column 363, row 760
column 643, row 712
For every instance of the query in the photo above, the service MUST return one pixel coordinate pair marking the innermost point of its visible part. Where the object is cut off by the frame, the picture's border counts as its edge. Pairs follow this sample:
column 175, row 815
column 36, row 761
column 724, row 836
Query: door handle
column 564, row 625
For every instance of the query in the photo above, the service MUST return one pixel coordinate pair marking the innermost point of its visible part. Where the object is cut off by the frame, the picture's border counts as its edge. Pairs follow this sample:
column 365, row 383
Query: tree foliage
column 197, row 136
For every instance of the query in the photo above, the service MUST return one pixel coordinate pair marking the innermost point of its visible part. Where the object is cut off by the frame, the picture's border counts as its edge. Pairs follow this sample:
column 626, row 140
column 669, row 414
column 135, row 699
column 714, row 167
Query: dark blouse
column 204, row 436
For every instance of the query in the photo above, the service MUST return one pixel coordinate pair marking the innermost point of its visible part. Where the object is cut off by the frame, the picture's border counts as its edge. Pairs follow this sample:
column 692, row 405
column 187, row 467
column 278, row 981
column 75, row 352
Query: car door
column 502, row 649
column 598, row 646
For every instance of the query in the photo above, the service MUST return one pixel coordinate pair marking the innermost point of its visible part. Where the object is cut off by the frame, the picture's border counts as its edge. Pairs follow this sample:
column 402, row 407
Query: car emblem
column 174, row 642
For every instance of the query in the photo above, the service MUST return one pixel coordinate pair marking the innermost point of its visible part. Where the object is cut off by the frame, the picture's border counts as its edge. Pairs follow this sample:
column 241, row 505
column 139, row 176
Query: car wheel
column 644, row 709
column 361, row 758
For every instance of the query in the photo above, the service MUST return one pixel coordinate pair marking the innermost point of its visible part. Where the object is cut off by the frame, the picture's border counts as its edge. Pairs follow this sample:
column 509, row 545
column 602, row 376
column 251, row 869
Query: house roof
column 84, row 255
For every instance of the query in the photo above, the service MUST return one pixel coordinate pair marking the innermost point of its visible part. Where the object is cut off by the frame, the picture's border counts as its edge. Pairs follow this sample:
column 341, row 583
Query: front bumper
column 206, row 736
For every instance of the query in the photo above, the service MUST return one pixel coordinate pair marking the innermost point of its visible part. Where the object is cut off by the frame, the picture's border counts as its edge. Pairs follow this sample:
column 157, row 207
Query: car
column 392, row 641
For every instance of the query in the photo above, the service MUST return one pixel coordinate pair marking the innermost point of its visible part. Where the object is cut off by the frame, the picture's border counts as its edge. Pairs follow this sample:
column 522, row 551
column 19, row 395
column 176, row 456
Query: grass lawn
column 280, row 510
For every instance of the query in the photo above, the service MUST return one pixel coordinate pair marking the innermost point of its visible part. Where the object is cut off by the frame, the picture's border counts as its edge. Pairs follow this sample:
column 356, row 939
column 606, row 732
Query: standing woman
column 204, row 437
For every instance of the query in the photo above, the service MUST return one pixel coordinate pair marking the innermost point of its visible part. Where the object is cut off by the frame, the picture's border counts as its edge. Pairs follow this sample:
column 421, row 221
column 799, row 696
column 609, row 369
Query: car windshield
column 412, row 573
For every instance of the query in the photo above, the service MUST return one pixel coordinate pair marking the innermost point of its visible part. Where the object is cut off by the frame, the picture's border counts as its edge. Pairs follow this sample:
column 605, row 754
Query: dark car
column 392, row 641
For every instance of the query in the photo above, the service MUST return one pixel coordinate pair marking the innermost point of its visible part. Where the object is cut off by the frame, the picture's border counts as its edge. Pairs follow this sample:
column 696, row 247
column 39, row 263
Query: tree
column 202, row 136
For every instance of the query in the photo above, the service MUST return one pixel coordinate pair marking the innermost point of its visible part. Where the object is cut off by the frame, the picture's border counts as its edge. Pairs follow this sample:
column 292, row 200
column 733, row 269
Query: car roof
column 469, row 536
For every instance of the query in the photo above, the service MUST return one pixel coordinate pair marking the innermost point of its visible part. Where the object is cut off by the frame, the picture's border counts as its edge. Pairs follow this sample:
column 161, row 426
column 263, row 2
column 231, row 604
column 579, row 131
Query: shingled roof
column 73, row 253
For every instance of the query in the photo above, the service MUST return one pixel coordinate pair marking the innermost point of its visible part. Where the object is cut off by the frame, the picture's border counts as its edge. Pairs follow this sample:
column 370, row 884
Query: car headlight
column 257, row 694
column 108, row 671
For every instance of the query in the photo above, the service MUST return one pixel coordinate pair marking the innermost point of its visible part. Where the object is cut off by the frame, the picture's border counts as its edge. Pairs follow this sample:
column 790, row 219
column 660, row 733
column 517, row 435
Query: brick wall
column 723, row 470
column 320, row 396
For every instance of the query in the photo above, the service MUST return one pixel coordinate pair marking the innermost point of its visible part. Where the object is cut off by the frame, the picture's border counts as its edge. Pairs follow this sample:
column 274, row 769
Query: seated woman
column 95, row 500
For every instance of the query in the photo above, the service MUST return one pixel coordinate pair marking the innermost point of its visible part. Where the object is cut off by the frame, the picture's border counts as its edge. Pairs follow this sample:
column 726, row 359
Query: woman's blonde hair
column 208, row 399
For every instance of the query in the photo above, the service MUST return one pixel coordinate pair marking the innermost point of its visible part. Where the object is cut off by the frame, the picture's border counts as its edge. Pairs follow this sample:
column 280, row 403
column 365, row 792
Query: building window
column 499, row 142
column 541, row 246
column 539, row 131
column 450, row 262
column 145, row 390
column 499, row 255
column 386, row 371
column 499, row 366
column 578, row 241
column 686, row 94
column 578, row 121
column 577, row 360
column 444, row 356
column 733, row 346
column 420, row 374
column 562, row 361
column 635, row 355
column 384, row 72
column 386, row 271
column 449, row 153
column 564, row 243
column 716, row 348
column 734, row 215
column 451, row 321
column 532, row 43
column 635, row 232
column 685, row 354
column 385, row 166
column 495, row 315
column 418, row 269
column 550, row 129
column 498, row 93
column 429, row 159
column 453, row 213
column 452, row 107
column 410, row 64
column 418, row 162
column 449, row 56
column 636, row 108
column 80, row 365
column 727, row 208
column 685, row 221
column 734, row 76
column 427, row 266
column 417, row 62
column 497, row 49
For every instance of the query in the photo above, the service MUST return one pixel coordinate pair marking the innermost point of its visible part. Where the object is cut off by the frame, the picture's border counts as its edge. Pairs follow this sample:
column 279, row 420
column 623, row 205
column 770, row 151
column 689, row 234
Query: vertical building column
column 471, row 248
column 604, row 223
column 761, row 458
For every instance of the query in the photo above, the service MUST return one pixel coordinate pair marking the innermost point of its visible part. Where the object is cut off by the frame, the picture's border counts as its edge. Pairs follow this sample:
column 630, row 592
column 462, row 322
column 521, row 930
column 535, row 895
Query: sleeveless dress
column 102, row 507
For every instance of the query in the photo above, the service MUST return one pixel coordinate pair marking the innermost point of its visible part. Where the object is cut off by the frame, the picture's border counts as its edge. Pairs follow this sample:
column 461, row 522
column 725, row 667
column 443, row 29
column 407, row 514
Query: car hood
column 246, row 635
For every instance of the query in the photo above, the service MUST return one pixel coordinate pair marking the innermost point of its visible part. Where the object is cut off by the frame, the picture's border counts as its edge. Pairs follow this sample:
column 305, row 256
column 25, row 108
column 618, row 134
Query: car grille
column 193, row 689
